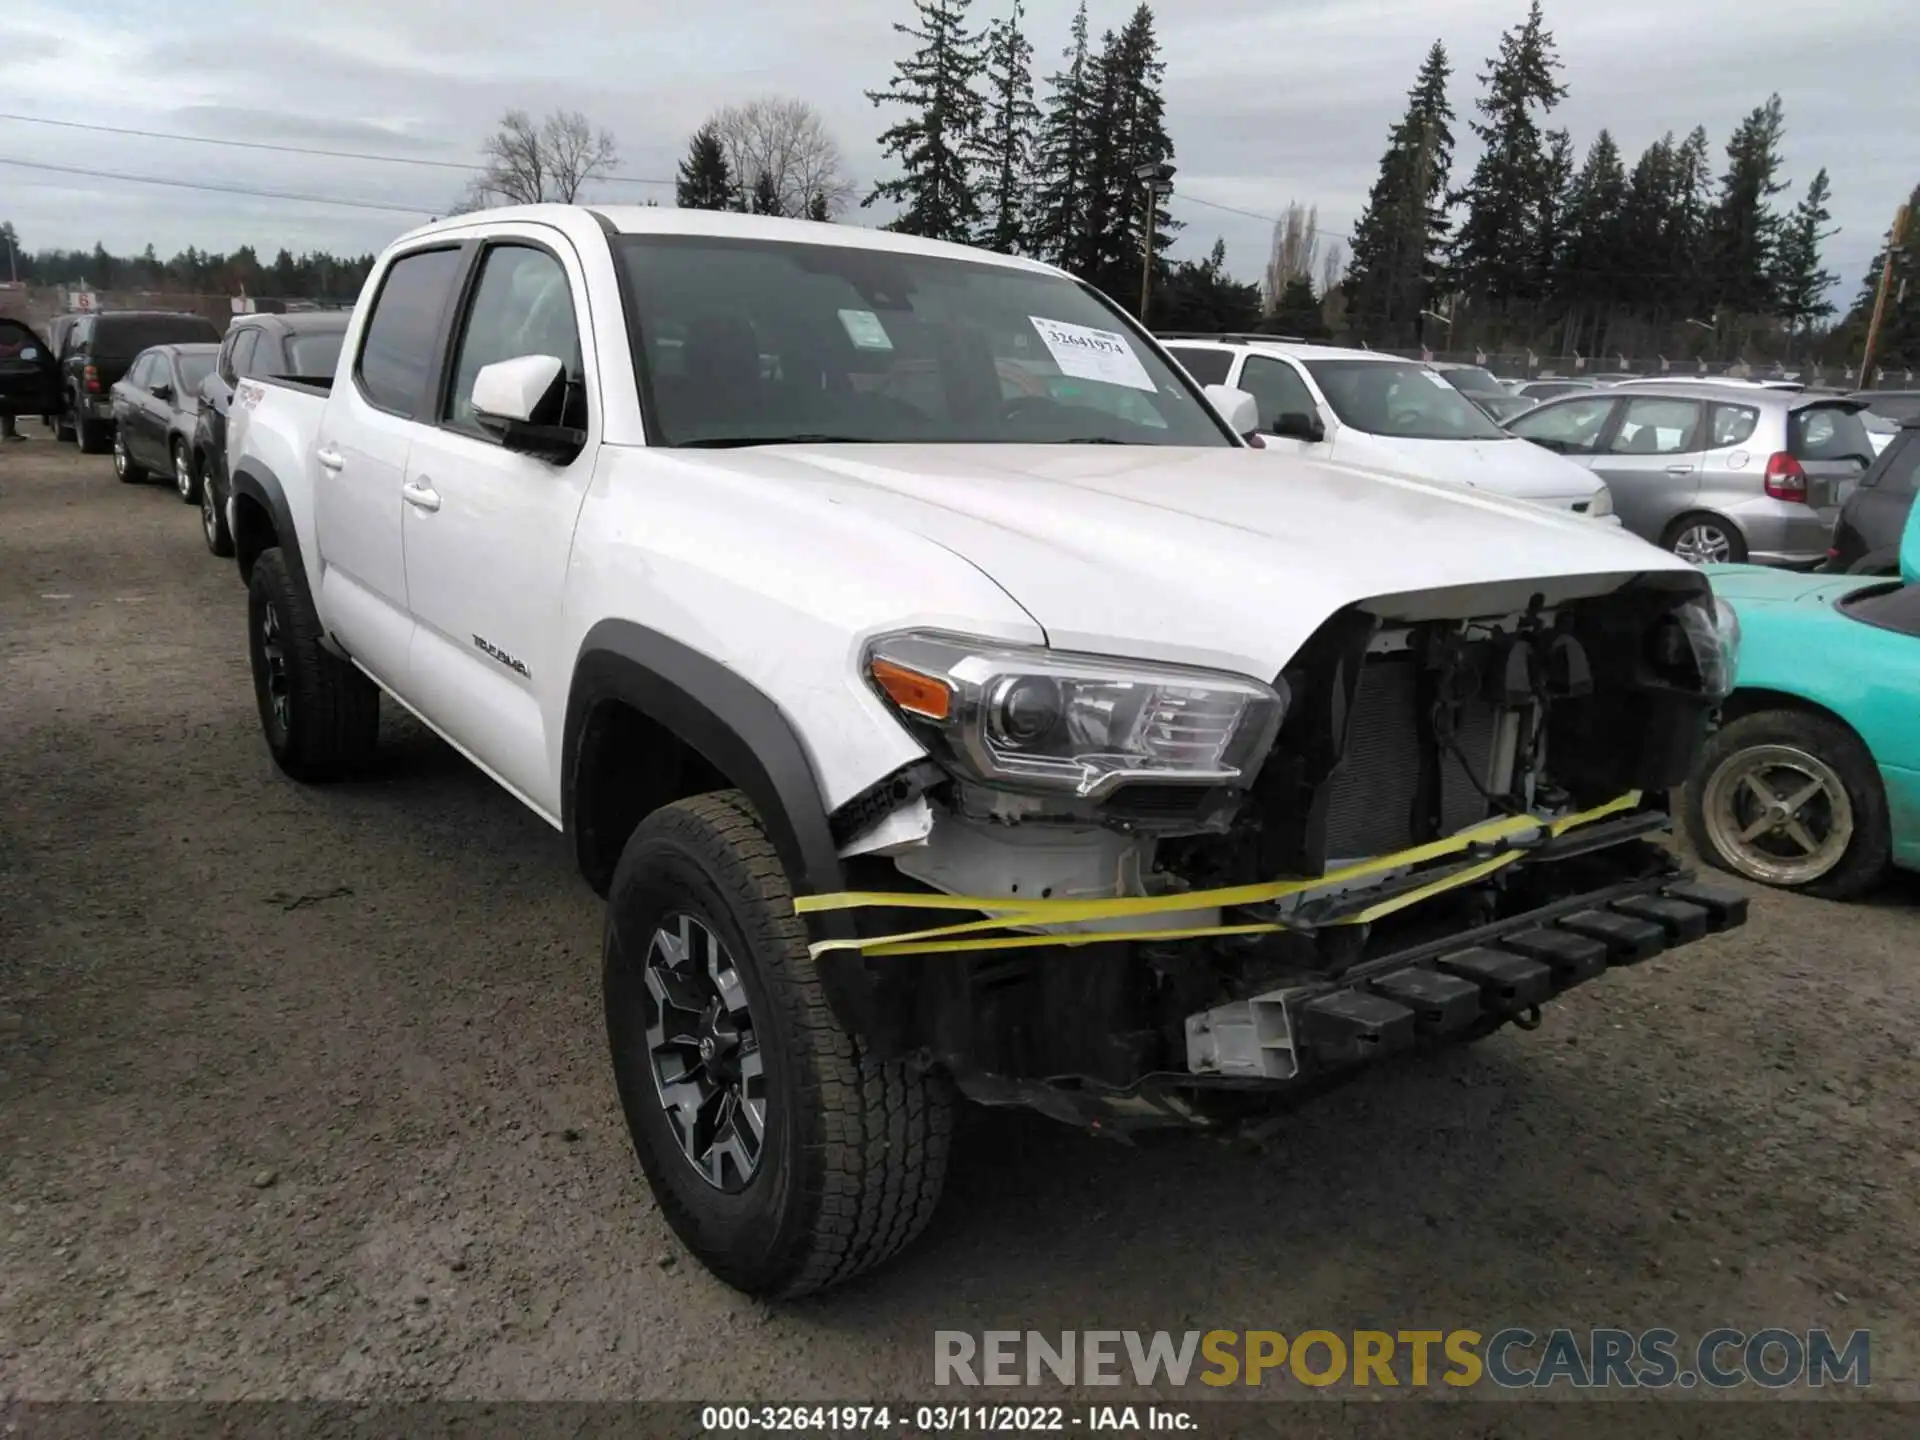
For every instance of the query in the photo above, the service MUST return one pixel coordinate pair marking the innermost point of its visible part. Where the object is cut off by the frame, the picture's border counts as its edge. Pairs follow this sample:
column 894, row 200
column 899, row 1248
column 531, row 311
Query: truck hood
column 1222, row 557
column 1512, row 467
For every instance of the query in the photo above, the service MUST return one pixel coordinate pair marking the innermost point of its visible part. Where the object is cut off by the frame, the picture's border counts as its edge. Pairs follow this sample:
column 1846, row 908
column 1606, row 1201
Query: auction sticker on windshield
column 1090, row 354
column 864, row 329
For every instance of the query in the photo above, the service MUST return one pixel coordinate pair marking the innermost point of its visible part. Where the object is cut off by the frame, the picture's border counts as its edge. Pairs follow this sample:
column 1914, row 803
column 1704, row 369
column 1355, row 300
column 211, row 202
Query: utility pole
column 1895, row 238
column 1156, row 179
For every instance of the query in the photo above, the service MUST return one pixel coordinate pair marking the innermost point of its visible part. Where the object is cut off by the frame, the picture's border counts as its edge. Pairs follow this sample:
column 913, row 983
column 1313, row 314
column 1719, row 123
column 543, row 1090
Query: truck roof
column 661, row 220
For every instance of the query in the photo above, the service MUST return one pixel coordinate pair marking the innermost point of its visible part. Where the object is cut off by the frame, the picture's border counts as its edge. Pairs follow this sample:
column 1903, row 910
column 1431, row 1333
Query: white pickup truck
column 948, row 701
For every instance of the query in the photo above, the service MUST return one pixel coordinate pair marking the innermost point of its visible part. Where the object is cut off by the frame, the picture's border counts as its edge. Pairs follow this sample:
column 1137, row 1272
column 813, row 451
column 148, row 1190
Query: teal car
column 1812, row 781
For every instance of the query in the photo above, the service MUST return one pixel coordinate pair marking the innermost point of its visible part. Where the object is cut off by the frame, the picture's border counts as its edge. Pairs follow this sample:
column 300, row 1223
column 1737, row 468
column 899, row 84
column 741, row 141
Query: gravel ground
column 303, row 1093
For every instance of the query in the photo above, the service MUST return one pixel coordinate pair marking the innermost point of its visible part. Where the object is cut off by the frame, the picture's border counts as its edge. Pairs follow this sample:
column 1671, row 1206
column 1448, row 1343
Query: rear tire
column 1705, row 539
column 93, row 436
column 851, row 1152
column 213, row 516
column 321, row 717
column 1789, row 752
column 186, row 479
column 125, row 468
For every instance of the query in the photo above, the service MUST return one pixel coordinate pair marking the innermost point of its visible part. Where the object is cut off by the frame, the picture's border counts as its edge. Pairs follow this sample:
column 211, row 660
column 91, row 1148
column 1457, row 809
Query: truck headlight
column 1028, row 718
column 1601, row 505
column 1712, row 632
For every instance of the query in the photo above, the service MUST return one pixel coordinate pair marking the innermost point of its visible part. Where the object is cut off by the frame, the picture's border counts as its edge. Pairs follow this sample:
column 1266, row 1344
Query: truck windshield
column 1401, row 400
column 754, row 342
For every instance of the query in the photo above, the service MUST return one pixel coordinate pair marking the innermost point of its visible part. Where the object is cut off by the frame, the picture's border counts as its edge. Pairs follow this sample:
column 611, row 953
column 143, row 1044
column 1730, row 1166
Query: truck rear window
column 122, row 338
column 1828, row 432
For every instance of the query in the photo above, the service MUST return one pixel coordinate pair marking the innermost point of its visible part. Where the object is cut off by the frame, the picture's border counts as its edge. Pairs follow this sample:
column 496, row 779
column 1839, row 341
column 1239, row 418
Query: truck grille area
column 1376, row 786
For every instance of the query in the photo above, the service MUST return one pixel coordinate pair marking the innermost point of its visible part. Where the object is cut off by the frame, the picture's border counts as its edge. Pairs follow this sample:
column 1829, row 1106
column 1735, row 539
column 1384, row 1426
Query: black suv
column 302, row 346
column 98, row 353
column 1866, row 537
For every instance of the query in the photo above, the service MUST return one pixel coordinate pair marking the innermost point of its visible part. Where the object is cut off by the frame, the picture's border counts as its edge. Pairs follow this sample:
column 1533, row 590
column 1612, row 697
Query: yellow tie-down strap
column 1005, row 915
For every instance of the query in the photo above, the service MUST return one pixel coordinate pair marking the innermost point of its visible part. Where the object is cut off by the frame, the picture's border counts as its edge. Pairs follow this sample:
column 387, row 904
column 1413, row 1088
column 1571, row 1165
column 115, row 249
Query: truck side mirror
column 520, row 402
column 1239, row 409
column 1299, row 425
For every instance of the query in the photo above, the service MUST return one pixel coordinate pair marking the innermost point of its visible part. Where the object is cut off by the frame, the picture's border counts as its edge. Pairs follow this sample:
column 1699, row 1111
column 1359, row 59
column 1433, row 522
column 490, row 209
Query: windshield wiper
column 1088, row 440
column 734, row 442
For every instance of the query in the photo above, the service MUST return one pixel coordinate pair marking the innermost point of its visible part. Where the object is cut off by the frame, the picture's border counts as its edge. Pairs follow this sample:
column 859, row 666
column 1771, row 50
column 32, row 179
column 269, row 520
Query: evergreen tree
column 1200, row 295
column 1743, row 230
column 1586, row 279
column 765, row 197
column 1129, row 131
column 1683, row 255
column 1556, row 184
column 932, row 142
column 1800, row 280
column 705, row 180
column 1397, row 242
column 1496, row 252
column 1060, row 160
column 1006, row 141
column 817, row 207
column 1638, row 280
column 1299, row 312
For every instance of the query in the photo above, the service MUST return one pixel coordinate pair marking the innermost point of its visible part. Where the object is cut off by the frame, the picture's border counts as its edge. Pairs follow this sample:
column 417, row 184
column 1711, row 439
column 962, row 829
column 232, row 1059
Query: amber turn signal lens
column 913, row 692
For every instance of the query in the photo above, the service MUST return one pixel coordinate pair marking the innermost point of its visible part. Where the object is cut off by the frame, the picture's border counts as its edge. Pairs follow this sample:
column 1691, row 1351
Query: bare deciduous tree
column 1333, row 265
column 1296, row 246
column 530, row 161
column 786, row 141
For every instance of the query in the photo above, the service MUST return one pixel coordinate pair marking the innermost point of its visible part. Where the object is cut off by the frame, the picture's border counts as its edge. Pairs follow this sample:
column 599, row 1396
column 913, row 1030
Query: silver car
column 1715, row 472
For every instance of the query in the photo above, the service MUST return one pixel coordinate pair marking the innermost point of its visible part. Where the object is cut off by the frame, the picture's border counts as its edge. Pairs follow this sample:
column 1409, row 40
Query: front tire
column 824, row 1161
column 186, row 480
column 321, row 717
column 125, row 468
column 213, row 516
column 1793, row 800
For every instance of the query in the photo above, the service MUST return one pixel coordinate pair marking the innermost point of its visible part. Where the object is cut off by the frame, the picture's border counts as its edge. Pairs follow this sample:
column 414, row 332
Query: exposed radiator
column 1371, row 809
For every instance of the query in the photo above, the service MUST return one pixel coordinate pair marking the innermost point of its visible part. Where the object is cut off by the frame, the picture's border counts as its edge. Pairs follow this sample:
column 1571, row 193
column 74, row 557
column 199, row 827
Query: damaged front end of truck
column 1129, row 894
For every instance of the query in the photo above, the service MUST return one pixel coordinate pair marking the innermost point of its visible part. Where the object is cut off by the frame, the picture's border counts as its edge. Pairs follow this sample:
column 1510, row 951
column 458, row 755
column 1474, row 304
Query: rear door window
column 1828, row 432
column 397, row 353
column 1729, row 425
column 1208, row 367
column 1657, row 427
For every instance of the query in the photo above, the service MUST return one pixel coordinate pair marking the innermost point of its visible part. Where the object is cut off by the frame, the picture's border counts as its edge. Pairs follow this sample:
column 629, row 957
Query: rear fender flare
column 254, row 481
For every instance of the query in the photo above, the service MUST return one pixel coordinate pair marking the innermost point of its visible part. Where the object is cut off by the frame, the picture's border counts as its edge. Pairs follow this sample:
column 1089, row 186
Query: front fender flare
column 743, row 734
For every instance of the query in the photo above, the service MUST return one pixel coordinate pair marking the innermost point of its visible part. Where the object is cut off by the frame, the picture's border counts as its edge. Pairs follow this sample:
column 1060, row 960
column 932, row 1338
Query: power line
column 219, row 189
column 467, row 167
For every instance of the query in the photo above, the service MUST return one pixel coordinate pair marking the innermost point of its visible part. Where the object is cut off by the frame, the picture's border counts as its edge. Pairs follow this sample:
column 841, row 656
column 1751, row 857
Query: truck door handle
column 330, row 459
column 1679, row 469
column 420, row 494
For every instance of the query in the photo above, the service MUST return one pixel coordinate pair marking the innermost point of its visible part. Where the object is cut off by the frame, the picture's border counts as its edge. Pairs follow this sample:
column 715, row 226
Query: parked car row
column 153, row 387
column 1716, row 470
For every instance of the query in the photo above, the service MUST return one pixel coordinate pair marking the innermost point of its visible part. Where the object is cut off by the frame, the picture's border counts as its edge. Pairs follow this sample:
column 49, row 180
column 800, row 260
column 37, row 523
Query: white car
column 845, row 597
column 1380, row 412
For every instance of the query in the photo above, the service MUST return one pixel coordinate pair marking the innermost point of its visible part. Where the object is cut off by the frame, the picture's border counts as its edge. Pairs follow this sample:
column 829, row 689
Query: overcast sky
column 1267, row 100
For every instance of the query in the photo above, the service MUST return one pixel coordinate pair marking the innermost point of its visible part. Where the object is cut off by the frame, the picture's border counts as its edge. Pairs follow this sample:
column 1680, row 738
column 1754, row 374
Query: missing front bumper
column 1497, row 972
